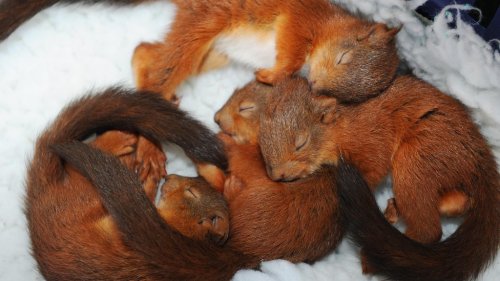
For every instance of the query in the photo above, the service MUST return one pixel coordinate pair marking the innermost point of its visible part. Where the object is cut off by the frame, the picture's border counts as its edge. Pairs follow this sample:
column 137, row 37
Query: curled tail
column 173, row 256
column 462, row 256
column 13, row 13
column 145, row 113
column 168, row 255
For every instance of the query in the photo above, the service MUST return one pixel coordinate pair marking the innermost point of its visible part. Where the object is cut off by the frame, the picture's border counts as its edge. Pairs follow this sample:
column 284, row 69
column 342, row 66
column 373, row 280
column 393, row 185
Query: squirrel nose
column 269, row 170
column 275, row 174
column 217, row 118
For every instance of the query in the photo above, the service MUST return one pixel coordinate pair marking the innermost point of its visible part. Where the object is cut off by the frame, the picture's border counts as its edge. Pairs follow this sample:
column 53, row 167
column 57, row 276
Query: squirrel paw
column 391, row 211
column 217, row 226
column 269, row 76
column 115, row 142
column 213, row 175
column 149, row 73
column 150, row 160
column 226, row 139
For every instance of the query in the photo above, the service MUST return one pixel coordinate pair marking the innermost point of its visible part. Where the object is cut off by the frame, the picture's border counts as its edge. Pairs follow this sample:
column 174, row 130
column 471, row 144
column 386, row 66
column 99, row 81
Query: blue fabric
column 488, row 27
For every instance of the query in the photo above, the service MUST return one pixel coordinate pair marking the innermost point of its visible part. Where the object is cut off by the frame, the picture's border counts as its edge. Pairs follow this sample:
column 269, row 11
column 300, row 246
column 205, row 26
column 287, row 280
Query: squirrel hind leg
column 391, row 212
column 454, row 203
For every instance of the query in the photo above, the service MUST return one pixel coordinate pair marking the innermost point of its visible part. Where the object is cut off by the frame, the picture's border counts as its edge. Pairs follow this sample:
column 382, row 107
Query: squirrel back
column 298, row 221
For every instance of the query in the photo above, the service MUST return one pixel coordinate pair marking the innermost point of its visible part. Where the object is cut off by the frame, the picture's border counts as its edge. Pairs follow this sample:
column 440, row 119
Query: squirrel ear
column 379, row 32
column 393, row 31
column 326, row 107
column 328, row 117
column 212, row 174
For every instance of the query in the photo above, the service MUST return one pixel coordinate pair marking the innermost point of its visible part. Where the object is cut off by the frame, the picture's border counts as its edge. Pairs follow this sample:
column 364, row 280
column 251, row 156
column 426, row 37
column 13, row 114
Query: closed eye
column 301, row 142
column 190, row 193
column 244, row 108
column 344, row 57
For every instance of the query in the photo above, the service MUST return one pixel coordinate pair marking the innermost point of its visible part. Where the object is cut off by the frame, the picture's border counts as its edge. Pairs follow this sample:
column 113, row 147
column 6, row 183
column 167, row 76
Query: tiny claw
column 219, row 230
column 175, row 101
column 144, row 172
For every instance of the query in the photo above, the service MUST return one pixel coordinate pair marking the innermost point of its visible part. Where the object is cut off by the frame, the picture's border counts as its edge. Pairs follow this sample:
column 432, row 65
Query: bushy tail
column 173, row 256
column 170, row 256
column 13, row 13
column 462, row 256
column 145, row 113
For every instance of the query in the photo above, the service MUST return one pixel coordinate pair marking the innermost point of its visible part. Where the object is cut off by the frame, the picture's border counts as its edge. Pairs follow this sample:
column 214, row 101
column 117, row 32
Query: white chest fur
column 253, row 47
column 250, row 46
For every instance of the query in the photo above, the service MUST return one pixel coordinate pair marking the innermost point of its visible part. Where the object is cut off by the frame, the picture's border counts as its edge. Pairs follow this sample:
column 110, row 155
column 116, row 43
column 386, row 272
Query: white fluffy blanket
column 66, row 51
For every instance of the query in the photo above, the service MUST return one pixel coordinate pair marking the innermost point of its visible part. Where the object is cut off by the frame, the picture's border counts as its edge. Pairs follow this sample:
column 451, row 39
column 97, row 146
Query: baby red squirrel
column 350, row 58
column 106, row 226
column 194, row 209
column 440, row 164
column 297, row 221
column 347, row 57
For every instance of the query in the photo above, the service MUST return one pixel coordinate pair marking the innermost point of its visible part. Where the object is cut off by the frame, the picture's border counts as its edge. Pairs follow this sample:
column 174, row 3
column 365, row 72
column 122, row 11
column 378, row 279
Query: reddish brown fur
column 130, row 242
column 194, row 209
column 454, row 203
column 349, row 58
column 297, row 221
column 451, row 204
column 273, row 219
column 425, row 138
column 239, row 117
column 182, row 206
column 91, row 225
column 462, row 256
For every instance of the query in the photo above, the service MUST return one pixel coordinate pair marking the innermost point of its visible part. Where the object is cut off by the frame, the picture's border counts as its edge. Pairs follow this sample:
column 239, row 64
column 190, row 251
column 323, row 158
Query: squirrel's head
column 239, row 117
column 293, row 130
column 194, row 208
column 354, row 62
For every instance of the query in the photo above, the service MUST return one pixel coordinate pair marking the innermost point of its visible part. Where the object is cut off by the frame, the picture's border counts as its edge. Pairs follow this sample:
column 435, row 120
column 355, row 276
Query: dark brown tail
column 462, row 256
column 168, row 255
column 173, row 256
column 13, row 13
column 145, row 113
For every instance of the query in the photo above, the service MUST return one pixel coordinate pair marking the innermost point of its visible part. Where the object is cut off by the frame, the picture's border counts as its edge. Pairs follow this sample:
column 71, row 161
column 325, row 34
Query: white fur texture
column 66, row 51
column 257, row 50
